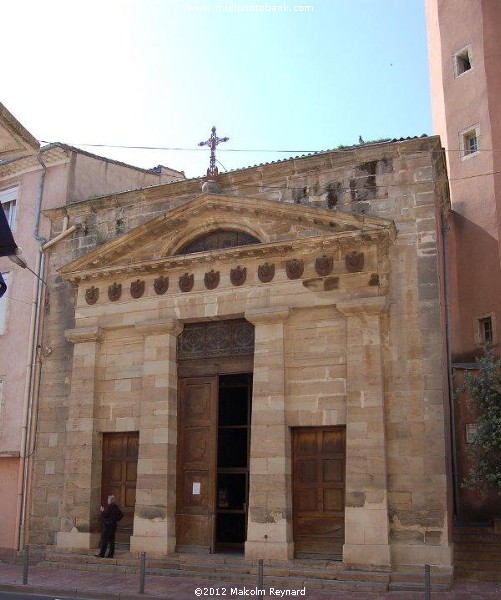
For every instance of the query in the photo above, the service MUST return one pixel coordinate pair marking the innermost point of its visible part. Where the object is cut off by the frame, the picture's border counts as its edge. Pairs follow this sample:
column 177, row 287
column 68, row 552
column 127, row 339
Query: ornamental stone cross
column 212, row 142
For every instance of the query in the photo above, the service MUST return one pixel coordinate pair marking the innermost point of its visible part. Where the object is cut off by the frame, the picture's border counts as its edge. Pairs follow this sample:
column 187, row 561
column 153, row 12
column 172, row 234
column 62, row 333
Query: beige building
column 53, row 176
column 258, row 366
column 465, row 73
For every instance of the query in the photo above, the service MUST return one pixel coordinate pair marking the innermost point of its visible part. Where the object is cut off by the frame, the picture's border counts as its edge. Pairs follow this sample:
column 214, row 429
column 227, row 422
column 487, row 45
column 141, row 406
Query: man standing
column 111, row 515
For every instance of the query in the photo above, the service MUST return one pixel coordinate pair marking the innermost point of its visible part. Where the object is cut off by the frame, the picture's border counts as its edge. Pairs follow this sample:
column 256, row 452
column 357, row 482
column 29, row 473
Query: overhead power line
column 176, row 149
column 180, row 149
column 424, row 182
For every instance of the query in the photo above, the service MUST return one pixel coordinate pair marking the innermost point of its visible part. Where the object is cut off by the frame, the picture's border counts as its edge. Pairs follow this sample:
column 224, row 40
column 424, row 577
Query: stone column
column 82, row 465
column 269, row 531
column 366, row 516
column 155, row 512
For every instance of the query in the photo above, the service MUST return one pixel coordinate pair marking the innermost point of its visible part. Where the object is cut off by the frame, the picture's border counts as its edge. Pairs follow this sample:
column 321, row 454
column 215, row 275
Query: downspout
column 26, row 437
column 445, row 229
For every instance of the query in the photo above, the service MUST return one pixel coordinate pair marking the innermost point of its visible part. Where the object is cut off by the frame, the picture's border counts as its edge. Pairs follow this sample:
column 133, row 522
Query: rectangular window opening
column 8, row 199
column 471, row 430
column 485, row 330
column 4, row 304
column 470, row 142
column 462, row 61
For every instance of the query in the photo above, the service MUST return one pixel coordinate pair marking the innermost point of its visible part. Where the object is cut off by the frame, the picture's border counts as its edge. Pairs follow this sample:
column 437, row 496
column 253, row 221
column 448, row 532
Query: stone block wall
column 348, row 356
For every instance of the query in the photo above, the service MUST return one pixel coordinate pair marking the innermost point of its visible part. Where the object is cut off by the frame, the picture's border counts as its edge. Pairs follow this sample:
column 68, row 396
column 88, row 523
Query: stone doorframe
column 270, row 456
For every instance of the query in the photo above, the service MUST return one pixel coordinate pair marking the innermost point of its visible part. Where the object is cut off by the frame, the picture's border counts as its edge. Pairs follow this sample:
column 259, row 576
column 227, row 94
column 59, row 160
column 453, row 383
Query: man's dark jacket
column 112, row 514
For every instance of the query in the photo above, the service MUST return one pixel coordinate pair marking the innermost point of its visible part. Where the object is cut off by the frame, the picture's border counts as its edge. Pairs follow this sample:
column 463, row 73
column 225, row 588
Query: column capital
column 273, row 314
column 361, row 306
column 169, row 326
column 84, row 334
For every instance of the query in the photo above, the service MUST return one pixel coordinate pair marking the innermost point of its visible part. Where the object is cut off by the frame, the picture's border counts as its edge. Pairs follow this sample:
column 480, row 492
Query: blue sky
column 307, row 76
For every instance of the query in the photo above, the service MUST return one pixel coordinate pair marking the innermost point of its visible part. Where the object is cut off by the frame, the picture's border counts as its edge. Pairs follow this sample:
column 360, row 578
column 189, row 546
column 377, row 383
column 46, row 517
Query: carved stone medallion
column 238, row 275
column 294, row 268
column 211, row 279
column 354, row 261
column 137, row 288
column 324, row 265
column 91, row 295
column 115, row 291
column 266, row 272
column 186, row 282
column 161, row 285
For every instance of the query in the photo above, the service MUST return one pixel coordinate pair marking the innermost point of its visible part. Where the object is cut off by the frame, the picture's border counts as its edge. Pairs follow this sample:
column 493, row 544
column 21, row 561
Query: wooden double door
column 213, row 462
column 318, row 491
column 119, row 477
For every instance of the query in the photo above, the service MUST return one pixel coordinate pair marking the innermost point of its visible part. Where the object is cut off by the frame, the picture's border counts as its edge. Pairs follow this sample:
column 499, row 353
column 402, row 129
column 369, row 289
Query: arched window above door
column 218, row 240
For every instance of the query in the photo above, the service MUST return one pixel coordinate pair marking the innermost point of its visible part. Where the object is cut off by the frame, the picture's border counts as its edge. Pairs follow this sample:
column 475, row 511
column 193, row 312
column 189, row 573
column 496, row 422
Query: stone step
column 208, row 564
column 473, row 567
column 417, row 578
column 396, row 586
column 464, row 573
column 340, row 585
column 475, row 538
column 473, row 528
column 341, row 575
column 488, row 540
column 484, row 555
column 475, row 545
column 345, row 583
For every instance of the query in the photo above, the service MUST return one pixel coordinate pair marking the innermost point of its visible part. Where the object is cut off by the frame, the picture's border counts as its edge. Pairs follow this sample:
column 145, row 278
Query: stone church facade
column 259, row 367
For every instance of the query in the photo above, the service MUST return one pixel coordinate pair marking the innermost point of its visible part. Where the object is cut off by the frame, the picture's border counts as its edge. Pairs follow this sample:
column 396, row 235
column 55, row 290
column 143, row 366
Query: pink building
column 32, row 180
column 465, row 69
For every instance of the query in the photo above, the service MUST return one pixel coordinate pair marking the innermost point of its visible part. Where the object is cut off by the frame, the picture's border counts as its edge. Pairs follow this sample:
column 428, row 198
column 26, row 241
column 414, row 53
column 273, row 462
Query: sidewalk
column 123, row 586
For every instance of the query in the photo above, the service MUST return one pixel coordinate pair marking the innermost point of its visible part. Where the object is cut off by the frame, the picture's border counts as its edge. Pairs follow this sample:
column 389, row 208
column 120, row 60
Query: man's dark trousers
column 108, row 538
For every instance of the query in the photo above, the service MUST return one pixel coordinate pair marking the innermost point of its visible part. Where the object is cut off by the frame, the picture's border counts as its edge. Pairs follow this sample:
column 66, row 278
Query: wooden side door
column 119, row 477
column 319, row 457
column 196, row 466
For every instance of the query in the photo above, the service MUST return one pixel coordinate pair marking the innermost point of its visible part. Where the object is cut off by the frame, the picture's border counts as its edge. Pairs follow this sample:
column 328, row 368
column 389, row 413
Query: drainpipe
column 445, row 229
column 26, row 437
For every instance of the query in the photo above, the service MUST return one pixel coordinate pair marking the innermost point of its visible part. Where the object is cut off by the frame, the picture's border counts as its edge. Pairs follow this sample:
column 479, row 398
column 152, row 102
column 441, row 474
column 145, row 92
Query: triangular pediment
column 271, row 222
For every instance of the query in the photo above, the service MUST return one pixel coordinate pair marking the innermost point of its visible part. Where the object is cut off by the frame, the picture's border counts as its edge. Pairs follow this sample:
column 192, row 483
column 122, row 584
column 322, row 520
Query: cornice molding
column 166, row 326
column 364, row 306
column 52, row 157
column 84, row 334
column 273, row 314
column 299, row 247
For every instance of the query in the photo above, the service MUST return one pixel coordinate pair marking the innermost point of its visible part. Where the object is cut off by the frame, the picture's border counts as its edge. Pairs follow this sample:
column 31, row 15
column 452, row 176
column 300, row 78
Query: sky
column 270, row 76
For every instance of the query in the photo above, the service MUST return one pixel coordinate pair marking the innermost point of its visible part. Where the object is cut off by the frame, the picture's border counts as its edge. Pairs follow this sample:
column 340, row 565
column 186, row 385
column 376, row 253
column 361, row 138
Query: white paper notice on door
column 196, row 488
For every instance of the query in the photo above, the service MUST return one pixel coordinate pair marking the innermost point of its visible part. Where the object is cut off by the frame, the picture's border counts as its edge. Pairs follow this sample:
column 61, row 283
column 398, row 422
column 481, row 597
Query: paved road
column 49, row 583
column 24, row 596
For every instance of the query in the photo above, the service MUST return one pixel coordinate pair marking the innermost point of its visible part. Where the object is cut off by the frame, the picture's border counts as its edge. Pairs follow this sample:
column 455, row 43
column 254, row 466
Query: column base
column 367, row 555
column 77, row 539
column 413, row 555
column 152, row 545
column 273, row 550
